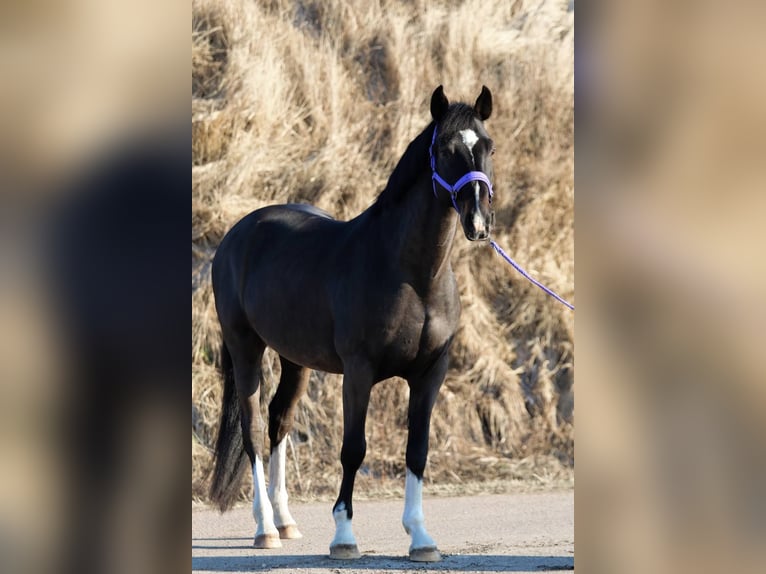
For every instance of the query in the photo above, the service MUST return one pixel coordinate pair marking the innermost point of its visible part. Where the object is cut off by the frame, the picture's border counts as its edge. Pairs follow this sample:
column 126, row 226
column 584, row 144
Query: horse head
column 461, row 153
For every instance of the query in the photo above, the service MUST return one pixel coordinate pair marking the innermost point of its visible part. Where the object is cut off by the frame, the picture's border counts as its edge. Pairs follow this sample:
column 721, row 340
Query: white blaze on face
column 478, row 222
column 412, row 519
column 262, row 512
column 277, row 486
column 470, row 138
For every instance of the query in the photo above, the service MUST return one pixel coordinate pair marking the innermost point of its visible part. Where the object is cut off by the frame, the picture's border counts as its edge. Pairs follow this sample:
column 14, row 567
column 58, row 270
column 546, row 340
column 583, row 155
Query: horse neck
column 416, row 228
column 425, row 229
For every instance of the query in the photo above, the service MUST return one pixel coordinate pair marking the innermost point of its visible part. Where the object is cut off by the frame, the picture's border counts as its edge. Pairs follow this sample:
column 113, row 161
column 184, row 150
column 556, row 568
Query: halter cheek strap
column 460, row 183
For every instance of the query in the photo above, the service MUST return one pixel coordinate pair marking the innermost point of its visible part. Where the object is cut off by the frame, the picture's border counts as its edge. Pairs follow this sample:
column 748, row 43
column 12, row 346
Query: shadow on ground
column 453, row 562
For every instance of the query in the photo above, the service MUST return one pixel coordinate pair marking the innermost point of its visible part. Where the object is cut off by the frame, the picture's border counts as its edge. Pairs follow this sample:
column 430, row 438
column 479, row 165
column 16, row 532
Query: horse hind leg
column 246, row 352
column 292, row 385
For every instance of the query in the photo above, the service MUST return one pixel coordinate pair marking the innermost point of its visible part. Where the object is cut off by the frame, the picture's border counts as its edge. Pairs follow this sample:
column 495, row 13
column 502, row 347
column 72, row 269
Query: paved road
column 530, row 532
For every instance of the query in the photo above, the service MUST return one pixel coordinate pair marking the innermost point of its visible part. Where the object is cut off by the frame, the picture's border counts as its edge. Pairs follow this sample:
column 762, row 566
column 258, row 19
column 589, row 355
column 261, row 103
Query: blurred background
column 94, row 147
column 670, row 273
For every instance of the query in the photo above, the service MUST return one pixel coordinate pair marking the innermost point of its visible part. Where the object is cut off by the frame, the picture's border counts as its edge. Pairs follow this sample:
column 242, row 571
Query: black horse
column 372, row 298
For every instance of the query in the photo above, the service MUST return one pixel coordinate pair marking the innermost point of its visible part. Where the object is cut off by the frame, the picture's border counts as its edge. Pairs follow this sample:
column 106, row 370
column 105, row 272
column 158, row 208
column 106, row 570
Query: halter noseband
column 460, row 183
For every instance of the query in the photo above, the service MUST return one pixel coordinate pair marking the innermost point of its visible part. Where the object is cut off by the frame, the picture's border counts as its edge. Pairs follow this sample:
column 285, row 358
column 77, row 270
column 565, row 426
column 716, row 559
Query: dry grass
column 314, row 101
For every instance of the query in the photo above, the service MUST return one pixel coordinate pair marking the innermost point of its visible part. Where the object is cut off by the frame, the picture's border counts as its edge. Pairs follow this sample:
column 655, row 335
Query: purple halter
column 453, row 191
column 460, row 183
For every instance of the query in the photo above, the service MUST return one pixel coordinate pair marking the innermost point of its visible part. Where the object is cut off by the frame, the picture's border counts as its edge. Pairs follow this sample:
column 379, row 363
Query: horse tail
column 230, row 457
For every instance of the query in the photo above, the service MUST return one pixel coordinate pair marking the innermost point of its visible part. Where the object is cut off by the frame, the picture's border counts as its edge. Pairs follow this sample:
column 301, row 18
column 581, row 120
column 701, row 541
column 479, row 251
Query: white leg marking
column 262, row 512
column 413, row 520
column 277, row 487
column 343, row 532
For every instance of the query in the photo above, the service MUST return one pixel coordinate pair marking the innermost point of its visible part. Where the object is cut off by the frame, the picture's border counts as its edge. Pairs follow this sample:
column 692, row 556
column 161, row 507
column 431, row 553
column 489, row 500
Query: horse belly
column 294, row 320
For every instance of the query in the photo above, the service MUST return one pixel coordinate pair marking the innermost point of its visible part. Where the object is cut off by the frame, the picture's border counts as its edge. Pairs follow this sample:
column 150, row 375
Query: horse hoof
column 289, row 532
column 270, row 540
column 344, row 552
column 426, row 554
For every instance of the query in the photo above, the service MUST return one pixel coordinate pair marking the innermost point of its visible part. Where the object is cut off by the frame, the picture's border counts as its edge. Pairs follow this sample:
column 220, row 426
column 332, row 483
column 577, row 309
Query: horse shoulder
column 440, row 327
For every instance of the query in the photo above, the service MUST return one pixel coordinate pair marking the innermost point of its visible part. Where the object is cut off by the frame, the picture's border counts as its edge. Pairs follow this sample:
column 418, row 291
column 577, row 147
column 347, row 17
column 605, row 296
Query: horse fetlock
column 284, row 521
column 282, row 516
column 267, row 535
column 423, row 547
column 289, row 532
column 420, row 538
column 264, row 525
column 344, row 534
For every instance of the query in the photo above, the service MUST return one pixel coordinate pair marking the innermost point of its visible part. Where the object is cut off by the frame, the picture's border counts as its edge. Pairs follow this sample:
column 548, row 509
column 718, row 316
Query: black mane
column 413, row 163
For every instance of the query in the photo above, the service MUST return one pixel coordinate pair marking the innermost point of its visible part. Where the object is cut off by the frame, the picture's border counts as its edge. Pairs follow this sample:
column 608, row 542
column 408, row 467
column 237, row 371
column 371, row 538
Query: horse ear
column 483, row 104
column 439, row 104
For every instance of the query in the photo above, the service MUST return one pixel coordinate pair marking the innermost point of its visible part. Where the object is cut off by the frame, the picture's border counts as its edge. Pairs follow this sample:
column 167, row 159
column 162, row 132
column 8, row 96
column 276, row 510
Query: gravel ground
column 525, row 532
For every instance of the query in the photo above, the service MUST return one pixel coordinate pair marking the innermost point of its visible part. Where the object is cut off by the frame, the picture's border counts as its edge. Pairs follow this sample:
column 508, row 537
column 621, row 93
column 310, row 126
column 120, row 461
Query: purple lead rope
column 518, row 268
column 453, row 191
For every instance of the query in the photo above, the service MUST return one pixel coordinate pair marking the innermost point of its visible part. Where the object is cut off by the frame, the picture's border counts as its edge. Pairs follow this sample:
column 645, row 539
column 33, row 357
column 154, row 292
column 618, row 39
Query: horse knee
column 353, row 452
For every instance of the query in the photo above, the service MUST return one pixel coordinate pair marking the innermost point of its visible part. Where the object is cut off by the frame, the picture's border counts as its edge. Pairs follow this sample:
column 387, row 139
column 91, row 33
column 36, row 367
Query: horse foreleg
column 423, row 392
column 357, row 384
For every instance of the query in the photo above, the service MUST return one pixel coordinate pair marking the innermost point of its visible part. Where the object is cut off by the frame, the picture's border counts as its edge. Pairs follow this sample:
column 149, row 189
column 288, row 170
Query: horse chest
column 417, row 333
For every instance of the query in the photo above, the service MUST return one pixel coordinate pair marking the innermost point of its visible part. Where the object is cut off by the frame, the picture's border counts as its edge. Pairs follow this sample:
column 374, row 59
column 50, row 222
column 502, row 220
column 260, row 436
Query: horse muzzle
column 478, row 228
